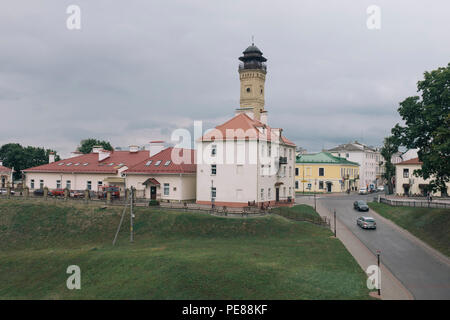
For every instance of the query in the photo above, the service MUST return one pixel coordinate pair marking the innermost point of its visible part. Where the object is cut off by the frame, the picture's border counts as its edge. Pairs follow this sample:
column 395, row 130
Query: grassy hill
column 429, row 224
column 176, row 255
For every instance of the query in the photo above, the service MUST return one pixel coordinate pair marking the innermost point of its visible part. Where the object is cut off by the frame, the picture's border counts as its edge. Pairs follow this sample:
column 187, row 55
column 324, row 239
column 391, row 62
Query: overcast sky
column 137, row 70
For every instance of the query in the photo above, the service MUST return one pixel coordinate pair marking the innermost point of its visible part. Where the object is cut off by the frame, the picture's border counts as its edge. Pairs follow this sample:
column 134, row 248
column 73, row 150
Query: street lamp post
column 315, row 188
column 335, row 222
column 379, row 272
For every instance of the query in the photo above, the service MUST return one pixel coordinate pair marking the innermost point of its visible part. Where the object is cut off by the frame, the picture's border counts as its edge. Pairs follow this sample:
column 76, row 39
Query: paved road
column 422, row 273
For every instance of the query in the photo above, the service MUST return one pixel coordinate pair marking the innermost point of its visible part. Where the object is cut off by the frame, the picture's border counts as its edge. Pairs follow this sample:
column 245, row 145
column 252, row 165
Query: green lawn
column 429, row 224
column 298, row 212
column 176, row 255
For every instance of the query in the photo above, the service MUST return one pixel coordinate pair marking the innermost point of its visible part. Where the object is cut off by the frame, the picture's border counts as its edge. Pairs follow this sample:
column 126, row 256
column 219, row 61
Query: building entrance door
column 277, row 194
column 153, row 192
column 328, row 186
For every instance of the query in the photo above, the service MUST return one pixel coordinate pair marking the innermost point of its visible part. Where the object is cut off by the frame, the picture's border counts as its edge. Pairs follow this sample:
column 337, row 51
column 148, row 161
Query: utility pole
column 335, row 223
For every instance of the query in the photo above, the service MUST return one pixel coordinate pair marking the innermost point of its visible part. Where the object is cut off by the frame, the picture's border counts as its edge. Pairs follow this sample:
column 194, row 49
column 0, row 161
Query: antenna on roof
column 253, row 40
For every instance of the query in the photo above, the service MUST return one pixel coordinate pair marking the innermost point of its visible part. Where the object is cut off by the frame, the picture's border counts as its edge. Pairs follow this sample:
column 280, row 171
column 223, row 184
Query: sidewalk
column 391, row 287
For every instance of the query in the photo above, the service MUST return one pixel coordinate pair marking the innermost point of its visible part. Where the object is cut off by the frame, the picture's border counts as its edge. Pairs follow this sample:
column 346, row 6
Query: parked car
column 363, row 191
column 40, row 192
column 380, row 188
column 76, row 194
column 366, row 222
column 5, row 191
column 102, row 191
column 58, row 192
column 360, row 205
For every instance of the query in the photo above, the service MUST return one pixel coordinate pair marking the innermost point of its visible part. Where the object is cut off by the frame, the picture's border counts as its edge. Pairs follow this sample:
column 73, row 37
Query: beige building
column 406, row 183
column 5, row 176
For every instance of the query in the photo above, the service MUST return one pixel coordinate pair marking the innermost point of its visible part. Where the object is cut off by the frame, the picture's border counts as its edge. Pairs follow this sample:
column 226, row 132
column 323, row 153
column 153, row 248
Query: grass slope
column 176, row 255
column 429, row 224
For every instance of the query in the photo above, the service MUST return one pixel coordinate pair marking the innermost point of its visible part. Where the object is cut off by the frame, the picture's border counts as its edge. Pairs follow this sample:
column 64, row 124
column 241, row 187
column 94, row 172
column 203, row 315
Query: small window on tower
column 248, row 89
column 261, row 91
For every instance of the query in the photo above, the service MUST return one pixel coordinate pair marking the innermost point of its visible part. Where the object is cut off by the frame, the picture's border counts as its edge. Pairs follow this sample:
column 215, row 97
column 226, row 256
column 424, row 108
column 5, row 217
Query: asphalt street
column 422, row 273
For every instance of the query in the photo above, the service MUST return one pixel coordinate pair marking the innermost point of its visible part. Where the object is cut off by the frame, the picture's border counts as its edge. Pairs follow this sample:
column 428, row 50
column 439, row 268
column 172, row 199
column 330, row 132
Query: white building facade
column 245, row 161
column 368, row 158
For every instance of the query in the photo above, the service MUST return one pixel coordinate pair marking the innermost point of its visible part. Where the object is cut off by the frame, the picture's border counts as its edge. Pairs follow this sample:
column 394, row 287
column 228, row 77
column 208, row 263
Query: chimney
column 75, row 154
column 156, row 146
column 96, row 149
column 103, row 154
column 263, row 117
column 51, row 157
column 134, row 149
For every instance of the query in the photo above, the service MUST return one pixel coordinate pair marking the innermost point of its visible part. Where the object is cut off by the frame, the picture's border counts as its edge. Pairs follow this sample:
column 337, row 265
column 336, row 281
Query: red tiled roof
column 167, row 163
column 410, row 161
column 250, row 130
column 88, row 163
column 5, row 169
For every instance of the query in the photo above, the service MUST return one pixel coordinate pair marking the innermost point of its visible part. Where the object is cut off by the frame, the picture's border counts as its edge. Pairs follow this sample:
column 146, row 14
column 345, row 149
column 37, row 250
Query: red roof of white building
column 89, row 163
column 167, row 161
column 5, row 169
column 243, row 127
column 410, row 161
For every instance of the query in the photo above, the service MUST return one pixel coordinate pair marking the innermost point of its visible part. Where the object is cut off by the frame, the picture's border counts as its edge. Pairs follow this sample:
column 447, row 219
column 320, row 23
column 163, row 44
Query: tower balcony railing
column 253, row 65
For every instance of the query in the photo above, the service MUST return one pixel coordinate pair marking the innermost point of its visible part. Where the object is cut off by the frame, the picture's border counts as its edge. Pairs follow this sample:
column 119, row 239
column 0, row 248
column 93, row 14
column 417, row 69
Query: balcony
column 283, row 160
column 253, row 65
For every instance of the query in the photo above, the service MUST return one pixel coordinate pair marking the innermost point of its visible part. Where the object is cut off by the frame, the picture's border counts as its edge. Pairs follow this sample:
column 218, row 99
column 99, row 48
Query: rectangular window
column 405, row 173
column 213, row 150
column 99, row 183
column 269, row 148
column 290, row 171
column 296, row 184
column 290, row 154
column 320, row 184
column 321, row 172
column 269, row 196
column 41, row 184
column 296, row 171
column 32, row 184
column 89, row 185
column 213, row 169
column 290, row 191
column 262, row 194
column 213, row 192
column 58, row 184
column 166, row 189
column 262, row 170
column 68, row 184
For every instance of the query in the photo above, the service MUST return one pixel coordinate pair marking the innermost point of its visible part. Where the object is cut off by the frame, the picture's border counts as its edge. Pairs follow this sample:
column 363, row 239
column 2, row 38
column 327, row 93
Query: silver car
column 366, row 222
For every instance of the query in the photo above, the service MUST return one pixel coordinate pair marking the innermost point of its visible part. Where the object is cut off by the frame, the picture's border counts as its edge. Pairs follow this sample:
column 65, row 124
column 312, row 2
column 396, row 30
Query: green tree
column 87, row 144
column 427, row 126
column 20, row 158
column 390, row 147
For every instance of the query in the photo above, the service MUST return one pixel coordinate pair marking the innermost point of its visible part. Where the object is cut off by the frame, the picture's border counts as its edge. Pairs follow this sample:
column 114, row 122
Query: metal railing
column 415, row 203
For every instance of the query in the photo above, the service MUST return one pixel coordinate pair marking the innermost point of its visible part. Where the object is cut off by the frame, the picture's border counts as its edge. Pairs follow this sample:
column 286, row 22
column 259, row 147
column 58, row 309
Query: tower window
column 261, row 91
column 248, row 89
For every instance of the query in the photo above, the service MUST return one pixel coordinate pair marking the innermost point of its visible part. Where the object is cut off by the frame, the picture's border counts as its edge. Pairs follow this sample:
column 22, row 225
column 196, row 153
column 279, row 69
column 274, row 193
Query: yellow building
column 323, row 172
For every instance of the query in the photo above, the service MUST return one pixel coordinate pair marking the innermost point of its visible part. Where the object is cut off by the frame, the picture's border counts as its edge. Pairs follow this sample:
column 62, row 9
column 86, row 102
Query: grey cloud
column 137, row 70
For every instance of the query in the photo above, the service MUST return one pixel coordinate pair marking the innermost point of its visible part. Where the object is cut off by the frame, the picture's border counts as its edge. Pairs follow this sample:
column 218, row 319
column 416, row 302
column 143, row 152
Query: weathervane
column 253, row 40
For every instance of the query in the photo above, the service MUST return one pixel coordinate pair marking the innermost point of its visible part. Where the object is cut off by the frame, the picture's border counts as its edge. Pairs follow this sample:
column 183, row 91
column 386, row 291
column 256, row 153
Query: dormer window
column 69, row 164
column 157, row 163
column 85, row 164
column 149, row 163
column 77, row 164
column 167, row 163
column 60, row 164
column 111, row 164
